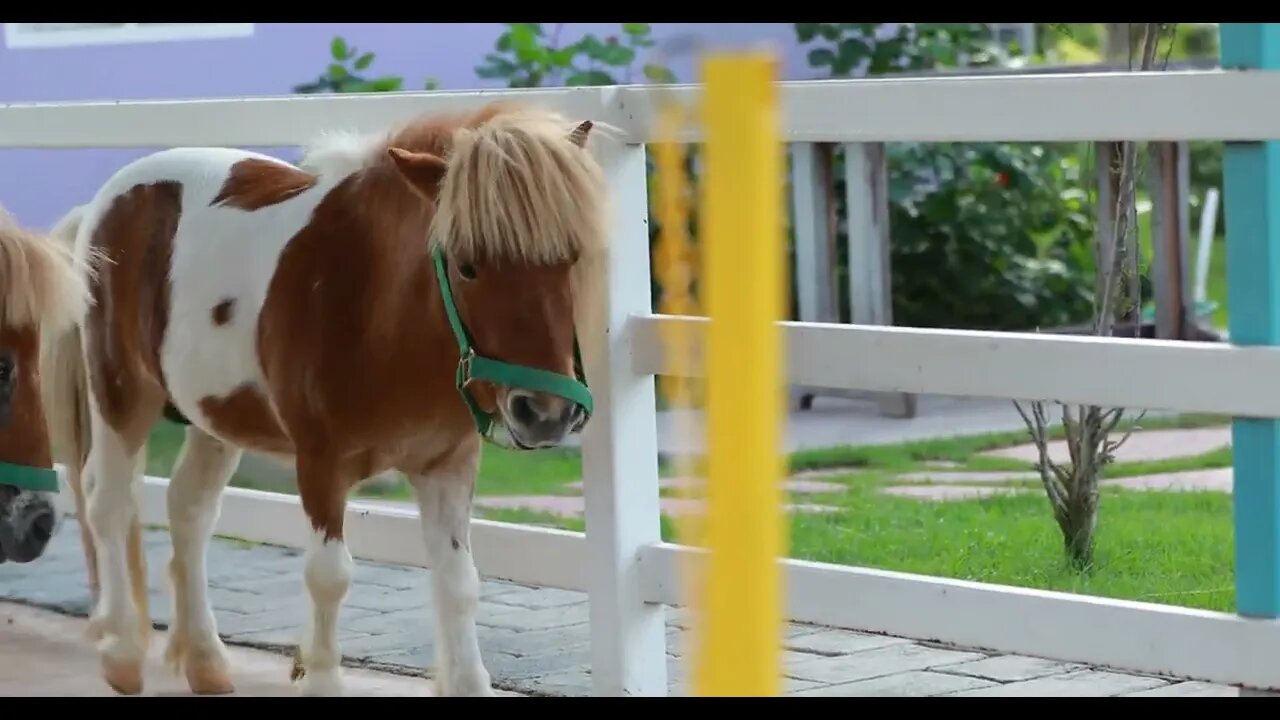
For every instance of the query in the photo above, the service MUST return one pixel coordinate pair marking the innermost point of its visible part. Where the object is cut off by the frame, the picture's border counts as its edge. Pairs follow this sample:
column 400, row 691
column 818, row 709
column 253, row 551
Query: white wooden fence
column 621, row 560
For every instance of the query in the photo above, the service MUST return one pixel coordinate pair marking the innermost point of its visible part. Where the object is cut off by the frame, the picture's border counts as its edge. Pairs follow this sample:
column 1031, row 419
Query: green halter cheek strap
column 477, row 367
column 26, row 477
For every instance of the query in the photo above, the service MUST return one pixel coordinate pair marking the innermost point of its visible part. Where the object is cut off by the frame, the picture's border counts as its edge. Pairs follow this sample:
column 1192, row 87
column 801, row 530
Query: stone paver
column 45, row 654
column 1081, row 683
column 1012, row 668
column 876, row 662
column 964, row 476
column 1217, row 480
column 535, row 641
column 914, row 683
column 840, row 642
column 950, row 492
column 950, row 485
column 1141, row 445
column 1190, row 689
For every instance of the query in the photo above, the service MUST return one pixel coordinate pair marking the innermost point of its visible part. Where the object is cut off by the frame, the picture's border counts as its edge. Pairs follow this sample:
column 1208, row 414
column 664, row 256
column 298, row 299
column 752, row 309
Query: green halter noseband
column 26, row 477
column 478, row 367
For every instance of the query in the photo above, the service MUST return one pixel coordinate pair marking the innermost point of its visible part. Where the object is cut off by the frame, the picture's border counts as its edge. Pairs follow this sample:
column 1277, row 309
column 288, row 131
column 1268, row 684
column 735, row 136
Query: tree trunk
column 1116, row 41
column 1078, row 521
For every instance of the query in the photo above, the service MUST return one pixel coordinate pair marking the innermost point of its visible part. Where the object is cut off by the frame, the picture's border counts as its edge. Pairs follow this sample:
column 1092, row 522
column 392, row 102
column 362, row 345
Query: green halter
column 26, row 477
column 477, row 367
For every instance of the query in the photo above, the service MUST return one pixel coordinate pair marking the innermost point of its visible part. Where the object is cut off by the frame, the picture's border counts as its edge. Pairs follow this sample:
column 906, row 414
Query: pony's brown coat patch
column 222, row 311
column 130, row 312
column 253, row 184
column 24, row 440
column 245, row 417
column 340, row 402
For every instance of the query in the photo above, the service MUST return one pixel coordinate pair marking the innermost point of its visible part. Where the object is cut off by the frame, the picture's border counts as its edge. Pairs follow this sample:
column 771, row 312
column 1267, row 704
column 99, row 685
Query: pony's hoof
column 472, row 683
column 297, row 670
column 205, row 669
column 480, row 690
column 123, row 677
column 209, row 679
column 325, row 682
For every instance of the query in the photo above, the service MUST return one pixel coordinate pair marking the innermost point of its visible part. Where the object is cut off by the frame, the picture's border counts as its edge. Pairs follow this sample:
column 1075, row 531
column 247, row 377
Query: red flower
column 1002, row 179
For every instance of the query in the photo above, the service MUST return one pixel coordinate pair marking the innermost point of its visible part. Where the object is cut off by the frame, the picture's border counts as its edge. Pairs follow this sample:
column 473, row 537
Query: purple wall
column 38, row 186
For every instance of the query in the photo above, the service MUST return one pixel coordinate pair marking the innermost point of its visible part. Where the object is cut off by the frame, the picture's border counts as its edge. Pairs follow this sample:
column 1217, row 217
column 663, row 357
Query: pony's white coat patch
column 219, row 253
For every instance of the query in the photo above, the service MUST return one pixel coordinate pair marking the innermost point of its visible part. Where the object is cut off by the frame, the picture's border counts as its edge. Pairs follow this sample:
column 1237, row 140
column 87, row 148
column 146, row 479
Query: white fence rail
column 1119, row 372
column 623, row 565
column 1184, row 105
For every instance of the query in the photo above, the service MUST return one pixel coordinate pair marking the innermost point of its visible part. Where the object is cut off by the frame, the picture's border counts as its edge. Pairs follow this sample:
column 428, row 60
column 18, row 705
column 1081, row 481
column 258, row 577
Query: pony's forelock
column 517, row 189
column 41, row 283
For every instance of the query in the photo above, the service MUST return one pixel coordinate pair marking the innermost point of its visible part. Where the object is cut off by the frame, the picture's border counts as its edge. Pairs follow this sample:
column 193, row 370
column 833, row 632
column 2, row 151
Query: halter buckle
column 464, row 368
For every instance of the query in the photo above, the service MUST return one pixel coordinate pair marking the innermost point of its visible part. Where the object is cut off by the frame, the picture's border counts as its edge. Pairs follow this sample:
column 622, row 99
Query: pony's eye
column 468, row 272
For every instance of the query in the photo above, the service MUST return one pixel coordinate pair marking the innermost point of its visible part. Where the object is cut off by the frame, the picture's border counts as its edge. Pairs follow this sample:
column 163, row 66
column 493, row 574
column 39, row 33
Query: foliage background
column 982, row 235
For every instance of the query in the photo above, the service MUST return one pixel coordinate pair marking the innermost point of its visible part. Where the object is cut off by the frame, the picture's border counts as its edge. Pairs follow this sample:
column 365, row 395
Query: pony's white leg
column 444, row 502
column 111, row 511
column 204, row 467
column 329, row 568
column 328, row 576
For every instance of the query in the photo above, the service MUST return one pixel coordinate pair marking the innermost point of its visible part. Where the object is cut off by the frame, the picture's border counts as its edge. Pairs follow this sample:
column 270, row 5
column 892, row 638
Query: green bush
column 988, row 235
column 341, row 77
column 982, row 235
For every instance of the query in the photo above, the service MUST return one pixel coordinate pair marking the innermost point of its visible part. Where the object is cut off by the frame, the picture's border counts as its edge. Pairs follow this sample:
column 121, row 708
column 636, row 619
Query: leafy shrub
column 982, row 235
column 343, row 78
column 527, row 57
column 988, row 235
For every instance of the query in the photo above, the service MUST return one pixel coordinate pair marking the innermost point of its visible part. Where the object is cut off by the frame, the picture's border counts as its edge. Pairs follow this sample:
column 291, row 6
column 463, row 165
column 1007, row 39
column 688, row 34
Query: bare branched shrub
column 1072, row 488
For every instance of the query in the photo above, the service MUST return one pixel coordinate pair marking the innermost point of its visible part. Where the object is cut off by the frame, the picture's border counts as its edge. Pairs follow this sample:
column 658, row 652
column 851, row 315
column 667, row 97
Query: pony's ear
column 423, row 170
column 579, row 135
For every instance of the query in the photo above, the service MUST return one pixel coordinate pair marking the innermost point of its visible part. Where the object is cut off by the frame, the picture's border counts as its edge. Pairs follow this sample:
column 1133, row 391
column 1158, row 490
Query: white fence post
column 815, row 248
column 870, row 295
column 620, row 459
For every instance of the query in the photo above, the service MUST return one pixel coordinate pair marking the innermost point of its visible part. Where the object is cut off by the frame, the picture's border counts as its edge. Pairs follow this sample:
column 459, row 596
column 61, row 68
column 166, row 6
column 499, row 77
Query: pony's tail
column 65, row 390
column 64, row 381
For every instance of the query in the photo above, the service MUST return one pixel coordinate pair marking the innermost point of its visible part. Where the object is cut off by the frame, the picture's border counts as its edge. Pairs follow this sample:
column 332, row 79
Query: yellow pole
column 740, row 626
column 675, row 270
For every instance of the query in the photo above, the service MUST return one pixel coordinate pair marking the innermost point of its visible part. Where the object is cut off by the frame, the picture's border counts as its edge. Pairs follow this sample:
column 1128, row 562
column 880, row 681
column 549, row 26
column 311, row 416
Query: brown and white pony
column 43, row 294
column 40, row 292
column 296, row 311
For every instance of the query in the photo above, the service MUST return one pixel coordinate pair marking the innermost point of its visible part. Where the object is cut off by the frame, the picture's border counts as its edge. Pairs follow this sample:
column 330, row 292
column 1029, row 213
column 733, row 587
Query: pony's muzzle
column 25, row 535
column 539, row 419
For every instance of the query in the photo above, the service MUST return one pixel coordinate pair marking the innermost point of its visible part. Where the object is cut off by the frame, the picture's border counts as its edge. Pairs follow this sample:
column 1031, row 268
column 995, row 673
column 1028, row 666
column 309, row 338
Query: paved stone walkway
column 535, row 640
column 1144, row 445
column 44, row 654
column 947, row 483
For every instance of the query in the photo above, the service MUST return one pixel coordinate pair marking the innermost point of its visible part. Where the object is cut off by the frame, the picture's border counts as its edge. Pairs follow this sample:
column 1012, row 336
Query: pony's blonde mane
column 517, row 189
column 41, row 284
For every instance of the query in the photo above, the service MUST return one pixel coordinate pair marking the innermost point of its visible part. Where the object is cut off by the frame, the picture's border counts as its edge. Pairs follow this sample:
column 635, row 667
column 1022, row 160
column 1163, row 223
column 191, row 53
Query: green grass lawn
column 1167, row 547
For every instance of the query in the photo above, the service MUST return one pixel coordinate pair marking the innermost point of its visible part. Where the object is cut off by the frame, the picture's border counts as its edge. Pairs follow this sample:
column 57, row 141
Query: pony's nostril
column 522, row 410
column 568, row 413
column 42, row 527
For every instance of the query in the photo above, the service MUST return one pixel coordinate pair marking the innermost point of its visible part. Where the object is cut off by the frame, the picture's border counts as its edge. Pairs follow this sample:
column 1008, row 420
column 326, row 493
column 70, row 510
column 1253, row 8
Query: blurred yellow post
column 739, row 625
